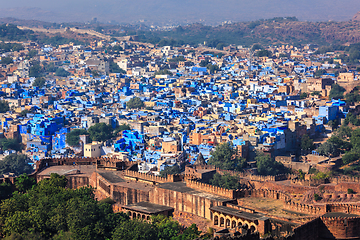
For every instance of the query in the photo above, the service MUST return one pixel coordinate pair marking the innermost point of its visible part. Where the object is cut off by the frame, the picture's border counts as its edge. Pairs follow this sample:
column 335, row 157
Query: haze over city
column 163, row 12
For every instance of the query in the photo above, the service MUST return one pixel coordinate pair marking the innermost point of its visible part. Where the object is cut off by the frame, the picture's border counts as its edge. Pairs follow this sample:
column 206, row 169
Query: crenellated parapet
column 304, row 208
column 227, row 193
column 268, row 193
column 342, row 179
column 341, row 227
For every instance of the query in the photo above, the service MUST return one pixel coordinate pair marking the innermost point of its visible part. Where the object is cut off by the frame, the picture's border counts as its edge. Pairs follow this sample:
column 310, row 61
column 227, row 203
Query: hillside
column 273, row 31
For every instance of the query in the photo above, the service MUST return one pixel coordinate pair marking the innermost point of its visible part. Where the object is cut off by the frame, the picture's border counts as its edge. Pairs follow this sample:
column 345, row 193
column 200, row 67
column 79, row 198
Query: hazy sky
column 210, row 11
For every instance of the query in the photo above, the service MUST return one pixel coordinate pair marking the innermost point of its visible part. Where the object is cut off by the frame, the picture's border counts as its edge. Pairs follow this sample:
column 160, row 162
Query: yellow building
column 92, row 149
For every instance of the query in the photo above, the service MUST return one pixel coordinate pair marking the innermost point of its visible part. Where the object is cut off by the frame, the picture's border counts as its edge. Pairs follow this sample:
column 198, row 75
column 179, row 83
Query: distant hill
column 356, row 17
column 272, row 31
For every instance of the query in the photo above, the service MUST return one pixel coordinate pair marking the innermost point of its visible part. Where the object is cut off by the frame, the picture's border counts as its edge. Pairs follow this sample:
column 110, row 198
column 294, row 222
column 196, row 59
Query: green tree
column 317, row 93
column 50, row 209
column 163, row 72
column 6, row 60
column 316, row 197
column 134, row 230
column 204, row 63
column 256, row 47
column 212, row 68
column 351, row 118
column 226, row 181
column 268, row 166
column 166, row 228
column 303, row 95
column 355, row 139
column 343, row 132
column 336, row 92
column 10, row 143
column 17, row 164
column 307, row 144
column 72, row 138
column 114, row 68
column 60, row 72
column 177, row 59
column 5, row 190
column 35, row 70
column 135, row 103
column 24, row 183
column 170, row 170
column 328, row 149
column 320, row 72
column 95, row 73
column 50, row 68
column 350, row 157
column 100, row 132
column 191, row 232
column 220, row 46
column 24, row 113
column 121, row 128
column 39, row 82
column 225, row 157
column 333, row 124
column 4, row 106
column 353, row 96
column 264, row 53
column 32, row 53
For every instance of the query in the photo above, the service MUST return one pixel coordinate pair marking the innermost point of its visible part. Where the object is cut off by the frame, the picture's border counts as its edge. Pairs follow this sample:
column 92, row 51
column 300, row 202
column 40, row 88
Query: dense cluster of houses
column 253, row 102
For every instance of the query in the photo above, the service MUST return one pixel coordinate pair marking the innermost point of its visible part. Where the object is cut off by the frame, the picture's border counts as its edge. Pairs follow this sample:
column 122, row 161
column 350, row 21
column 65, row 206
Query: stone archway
column 233, row 224
column 221, row 222
column 245, row 226
column 216, row 220
column 227, row 221
column 252, row 228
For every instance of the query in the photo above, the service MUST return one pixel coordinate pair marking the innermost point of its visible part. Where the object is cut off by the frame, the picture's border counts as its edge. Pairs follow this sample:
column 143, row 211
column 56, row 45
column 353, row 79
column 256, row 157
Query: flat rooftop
column 116, row 178
column 148, row 208
column 73, row 170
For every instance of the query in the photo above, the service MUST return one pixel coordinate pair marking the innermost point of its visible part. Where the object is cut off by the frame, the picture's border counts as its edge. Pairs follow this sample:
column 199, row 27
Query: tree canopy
column 35, row 70
column 121, row 128
column 135, row 103
column 226, row 181
column 4, row 106
column 353, row 119
column 100, row 132
column 225, row 157
column 72, row 138
column 62, row 72
column 268, row 166
column 353, row 96
column 336, row 92
column 10, row 143
column 15, row 163
column 307, row 143
column 170, row 170
column 6, row 60
column 114, row 68
column 39, row 82
column 49, row 210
